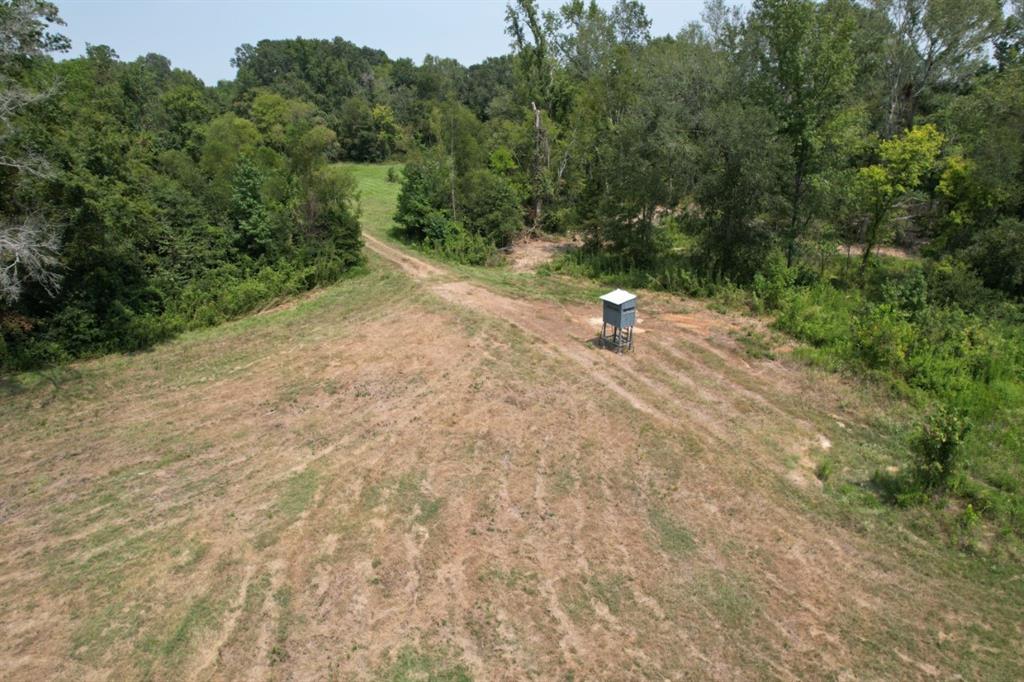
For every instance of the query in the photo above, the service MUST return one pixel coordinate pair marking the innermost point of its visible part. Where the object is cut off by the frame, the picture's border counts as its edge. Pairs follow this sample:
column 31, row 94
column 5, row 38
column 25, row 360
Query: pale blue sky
column 201, row 35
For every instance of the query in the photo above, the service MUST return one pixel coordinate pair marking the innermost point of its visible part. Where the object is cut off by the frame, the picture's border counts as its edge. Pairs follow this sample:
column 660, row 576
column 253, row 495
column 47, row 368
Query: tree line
column 793, row 128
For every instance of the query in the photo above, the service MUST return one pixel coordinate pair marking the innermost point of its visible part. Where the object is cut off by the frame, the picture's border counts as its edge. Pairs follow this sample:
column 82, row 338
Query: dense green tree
column 425, row 196
column 226, row 139
column 323, row 72
column 484, row 83
column 248, row 211
column 804, row 56
column 903, row 163
column 490, row 206
column 367, row 133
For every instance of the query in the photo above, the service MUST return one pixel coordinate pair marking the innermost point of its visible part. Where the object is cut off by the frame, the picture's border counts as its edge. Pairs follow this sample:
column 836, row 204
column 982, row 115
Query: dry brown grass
column 411, row 474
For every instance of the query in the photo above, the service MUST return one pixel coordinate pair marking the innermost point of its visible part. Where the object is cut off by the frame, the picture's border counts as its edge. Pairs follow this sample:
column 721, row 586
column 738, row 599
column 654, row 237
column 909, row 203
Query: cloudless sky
column 201, row 35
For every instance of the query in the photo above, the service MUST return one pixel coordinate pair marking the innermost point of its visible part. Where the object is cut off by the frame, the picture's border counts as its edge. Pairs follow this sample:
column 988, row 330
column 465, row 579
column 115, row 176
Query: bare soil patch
column 857, row 250
column 527, row 255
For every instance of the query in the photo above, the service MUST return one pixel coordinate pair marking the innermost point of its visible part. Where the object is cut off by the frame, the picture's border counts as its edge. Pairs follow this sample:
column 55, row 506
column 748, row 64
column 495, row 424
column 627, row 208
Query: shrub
column 824, row 470
column 819, row 315
column 953, row 281
column 881, row 337
column 452, row 241
column 424, row 190
column 490, row 206
column 967, row 526
column 907, row 292
column 997, row 254
column 938, row 448
column 773, row 285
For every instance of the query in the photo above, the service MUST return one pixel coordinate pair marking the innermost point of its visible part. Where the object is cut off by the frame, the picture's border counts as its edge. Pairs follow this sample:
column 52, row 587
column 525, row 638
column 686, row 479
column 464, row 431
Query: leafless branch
column 29, row 250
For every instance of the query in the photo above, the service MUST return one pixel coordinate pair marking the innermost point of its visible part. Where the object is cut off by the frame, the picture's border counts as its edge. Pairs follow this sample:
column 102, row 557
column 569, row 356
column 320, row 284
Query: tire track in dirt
column 569, row 641
column 415, row 267
column 539, row 319
column 209, row 654
column 646, row 386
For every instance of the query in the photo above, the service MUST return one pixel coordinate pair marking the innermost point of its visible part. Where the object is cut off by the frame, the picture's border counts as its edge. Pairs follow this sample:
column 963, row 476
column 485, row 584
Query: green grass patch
column 612, row 590
column 202, row 613
column 414, row 665
column 728, row 598
column 285, row 615
column 514, row 579
column 296, row 495
column 377, row 195
column 577, row 595
column 755, row 344
column 673, row 537
column 404, row 496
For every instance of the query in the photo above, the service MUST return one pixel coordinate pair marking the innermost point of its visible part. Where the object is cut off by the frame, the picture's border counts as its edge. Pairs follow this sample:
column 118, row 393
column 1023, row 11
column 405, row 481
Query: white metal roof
column 618, row 297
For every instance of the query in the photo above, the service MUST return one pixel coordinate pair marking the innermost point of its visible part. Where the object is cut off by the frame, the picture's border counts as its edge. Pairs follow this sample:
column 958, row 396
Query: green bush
column 882, row 336
column 939, row 448
column 228, row 292
column 773, row 284
column 425, row 190
column 490, row 207
column 953, row 282
column 453, row 242
column 997, row 254
column 824, row 470
column 906, row 291
column 820, row 315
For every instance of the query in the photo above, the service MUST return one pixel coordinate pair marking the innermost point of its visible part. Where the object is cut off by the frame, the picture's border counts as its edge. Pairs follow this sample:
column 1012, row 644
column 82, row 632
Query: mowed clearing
column 421, row 473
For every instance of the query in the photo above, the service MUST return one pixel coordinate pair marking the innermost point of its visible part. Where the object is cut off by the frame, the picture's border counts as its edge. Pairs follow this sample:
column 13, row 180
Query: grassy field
column 428, row 472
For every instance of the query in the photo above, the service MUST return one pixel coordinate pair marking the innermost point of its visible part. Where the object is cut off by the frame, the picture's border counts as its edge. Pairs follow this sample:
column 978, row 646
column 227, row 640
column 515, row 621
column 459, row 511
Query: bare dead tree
column 29, row 244
column 29, row 249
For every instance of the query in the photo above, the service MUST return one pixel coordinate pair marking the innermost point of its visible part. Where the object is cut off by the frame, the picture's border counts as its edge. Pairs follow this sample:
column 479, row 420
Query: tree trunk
column 870, row 237
column 538, row 154
column 798, row 195
column 451, row 158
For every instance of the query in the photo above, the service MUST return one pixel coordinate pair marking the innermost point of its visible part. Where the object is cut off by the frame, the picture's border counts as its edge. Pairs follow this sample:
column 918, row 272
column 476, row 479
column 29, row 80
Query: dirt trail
column 416, row 267
column 570, row 332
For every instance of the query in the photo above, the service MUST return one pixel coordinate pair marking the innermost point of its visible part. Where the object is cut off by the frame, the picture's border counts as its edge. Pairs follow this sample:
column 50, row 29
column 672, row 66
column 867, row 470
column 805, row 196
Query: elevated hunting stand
column 618, row 320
